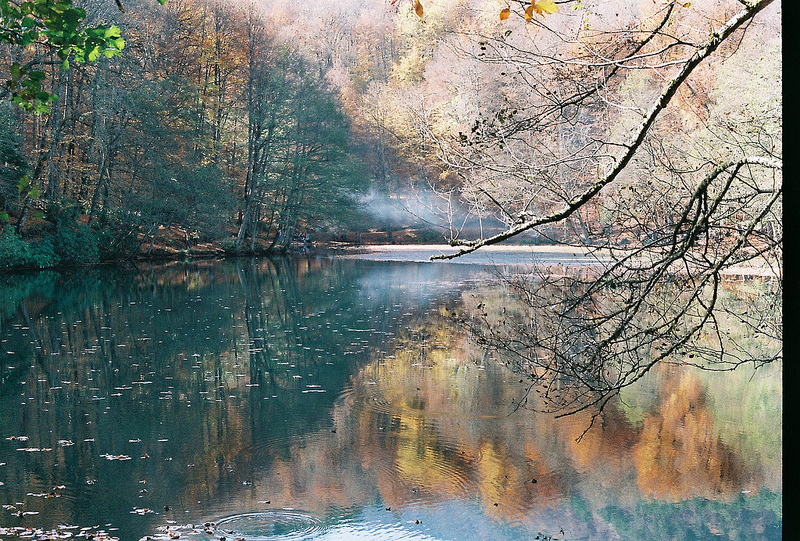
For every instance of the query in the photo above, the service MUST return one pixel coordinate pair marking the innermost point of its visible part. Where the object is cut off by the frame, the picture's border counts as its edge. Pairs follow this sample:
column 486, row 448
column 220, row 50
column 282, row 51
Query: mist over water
column 442, row 213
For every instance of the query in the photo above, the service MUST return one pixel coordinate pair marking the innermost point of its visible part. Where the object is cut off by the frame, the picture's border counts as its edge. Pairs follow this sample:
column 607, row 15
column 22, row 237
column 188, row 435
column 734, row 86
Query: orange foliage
column 678, row 455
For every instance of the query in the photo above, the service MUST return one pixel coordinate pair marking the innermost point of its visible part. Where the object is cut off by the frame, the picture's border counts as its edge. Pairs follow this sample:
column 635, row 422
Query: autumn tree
column 207, row 113
column 299, row 167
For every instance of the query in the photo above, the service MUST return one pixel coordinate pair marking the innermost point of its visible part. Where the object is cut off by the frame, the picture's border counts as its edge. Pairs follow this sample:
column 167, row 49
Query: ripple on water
column 278, row 524
column 272, row 525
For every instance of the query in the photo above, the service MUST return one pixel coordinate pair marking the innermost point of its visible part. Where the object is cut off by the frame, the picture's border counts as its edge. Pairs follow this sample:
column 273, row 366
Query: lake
column 334, row 398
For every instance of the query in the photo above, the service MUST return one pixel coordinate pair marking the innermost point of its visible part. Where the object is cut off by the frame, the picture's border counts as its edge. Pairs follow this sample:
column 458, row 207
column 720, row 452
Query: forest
column 247, row 124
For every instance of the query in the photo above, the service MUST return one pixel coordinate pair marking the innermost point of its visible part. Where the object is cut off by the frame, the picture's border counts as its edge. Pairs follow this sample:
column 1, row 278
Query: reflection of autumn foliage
column 421, row 421
column 428, row 431
column 424, row 434
column 679, row 454
column 602, row 448
column 315, row 476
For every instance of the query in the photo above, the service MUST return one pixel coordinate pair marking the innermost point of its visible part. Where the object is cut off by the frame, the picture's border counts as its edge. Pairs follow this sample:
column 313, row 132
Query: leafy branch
column 58, row 28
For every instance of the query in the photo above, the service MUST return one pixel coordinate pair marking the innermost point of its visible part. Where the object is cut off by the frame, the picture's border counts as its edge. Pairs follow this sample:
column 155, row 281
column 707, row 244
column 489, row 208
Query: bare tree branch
column 633, row 144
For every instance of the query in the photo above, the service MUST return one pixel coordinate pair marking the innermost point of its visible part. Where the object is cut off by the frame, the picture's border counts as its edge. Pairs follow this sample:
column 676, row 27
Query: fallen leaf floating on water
column 44, row 494
column 115, row 457
column 29, row 533
column 141, row 511
column 98, row 536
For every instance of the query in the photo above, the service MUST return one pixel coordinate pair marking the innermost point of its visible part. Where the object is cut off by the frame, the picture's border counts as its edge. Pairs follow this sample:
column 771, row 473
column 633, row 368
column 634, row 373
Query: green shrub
column 116, row 242
column 16, row 253
column 229, row 246
column 76, row 244
column 43, row 254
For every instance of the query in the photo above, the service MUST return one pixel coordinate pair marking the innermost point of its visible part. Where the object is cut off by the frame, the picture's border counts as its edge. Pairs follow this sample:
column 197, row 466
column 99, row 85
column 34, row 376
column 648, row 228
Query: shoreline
column 559, row 254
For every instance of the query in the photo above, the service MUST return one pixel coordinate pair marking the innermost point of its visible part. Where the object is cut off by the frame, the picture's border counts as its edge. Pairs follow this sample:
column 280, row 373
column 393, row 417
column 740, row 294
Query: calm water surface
column 323, row 398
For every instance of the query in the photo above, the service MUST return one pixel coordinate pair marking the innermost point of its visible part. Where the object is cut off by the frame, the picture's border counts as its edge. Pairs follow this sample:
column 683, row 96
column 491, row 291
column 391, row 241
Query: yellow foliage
column 545, row 6
column 411, row 68
column 529, row 13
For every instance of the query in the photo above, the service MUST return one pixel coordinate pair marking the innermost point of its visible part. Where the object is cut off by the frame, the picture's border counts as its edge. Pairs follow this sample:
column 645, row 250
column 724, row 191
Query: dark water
column 334, row 399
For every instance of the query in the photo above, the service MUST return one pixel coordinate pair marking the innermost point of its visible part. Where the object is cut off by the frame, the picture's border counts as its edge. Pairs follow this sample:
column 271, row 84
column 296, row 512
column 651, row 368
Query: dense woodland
column 249, row 123
column 209, row 124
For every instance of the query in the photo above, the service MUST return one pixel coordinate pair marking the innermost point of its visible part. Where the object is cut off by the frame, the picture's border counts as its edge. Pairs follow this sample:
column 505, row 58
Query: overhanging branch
column 668, row 92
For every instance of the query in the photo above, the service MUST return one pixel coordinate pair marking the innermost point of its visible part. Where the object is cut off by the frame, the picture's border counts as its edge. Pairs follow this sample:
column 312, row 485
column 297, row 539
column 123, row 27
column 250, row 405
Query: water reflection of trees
column 113, row 361
column 580, row 344
column 701, row 466
column 675, row 452
column 422, row 418
column 429, row 431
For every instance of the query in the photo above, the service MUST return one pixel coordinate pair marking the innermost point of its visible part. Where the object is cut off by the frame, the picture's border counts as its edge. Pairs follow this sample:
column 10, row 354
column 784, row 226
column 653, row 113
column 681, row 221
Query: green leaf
column 23, row 183
column 113, row 31
column 4, row 216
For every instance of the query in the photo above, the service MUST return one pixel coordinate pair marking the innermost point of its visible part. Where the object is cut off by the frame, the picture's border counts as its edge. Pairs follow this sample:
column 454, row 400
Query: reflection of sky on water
column 490, row 255
column 413, row 283
column 337, row 388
